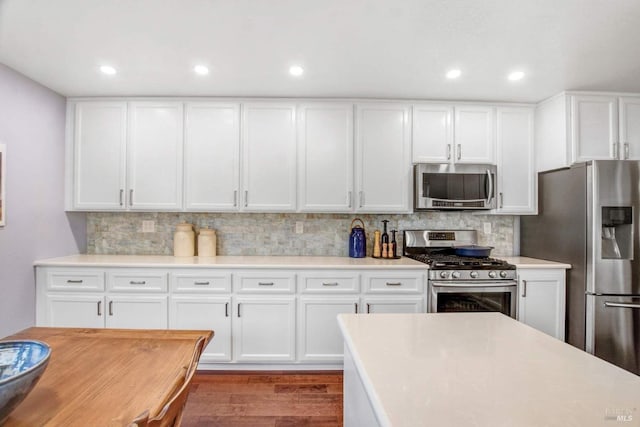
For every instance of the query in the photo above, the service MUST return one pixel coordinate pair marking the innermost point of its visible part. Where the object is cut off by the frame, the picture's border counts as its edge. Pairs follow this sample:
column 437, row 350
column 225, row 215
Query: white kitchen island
column 476, row 369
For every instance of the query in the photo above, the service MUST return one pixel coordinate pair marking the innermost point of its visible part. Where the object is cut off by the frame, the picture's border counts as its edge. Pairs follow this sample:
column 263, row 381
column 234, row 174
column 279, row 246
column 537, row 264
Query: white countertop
column 260, row 262
column 482, row 369
column 228, row 262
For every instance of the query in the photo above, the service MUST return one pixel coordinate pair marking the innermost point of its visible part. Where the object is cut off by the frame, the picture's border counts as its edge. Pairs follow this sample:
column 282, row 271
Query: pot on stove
column 473, row 251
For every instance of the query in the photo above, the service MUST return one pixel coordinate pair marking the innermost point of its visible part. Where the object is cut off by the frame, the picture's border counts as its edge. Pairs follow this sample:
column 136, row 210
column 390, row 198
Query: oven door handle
column 476, row 285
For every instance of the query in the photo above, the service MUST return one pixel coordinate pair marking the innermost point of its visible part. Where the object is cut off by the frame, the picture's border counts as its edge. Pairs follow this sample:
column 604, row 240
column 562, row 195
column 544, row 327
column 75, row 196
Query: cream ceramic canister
column 184, row 240
column 207, row 242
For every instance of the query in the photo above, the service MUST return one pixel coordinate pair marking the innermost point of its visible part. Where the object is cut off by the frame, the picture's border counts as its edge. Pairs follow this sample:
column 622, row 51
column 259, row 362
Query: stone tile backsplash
column 274, row 233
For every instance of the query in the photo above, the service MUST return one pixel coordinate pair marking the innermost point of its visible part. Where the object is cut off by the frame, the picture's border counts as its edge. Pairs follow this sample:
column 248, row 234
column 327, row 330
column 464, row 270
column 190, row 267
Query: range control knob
column 503, row 274
column 473, row 274
column 443, row 274
column 493, row 274
column 455, row 275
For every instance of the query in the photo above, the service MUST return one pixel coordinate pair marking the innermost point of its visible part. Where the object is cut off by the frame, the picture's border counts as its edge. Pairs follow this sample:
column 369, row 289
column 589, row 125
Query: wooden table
column 104, row 377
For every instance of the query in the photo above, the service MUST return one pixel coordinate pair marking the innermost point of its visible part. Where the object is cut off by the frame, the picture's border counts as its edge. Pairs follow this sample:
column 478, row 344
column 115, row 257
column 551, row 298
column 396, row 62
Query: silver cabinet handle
column 356, row 306
column 226, row 309
column 121, row 197
column 238, row 309
column 626, row 150
column 201, row 283
column 448, row 151
column 615, row 150
column 349, row 198
column 501, row 200
column 131, row 197
column 265, row 283
column 524, row 289
column 361, row 198
column 99, row 308
column 110, row 308
column 246, row 198
column 368, row 308
column 330, row 284
column 74, row 281
column 621, row 305
column 137, row 282
column 459, row 151
column 394, row 283
column 235, row 198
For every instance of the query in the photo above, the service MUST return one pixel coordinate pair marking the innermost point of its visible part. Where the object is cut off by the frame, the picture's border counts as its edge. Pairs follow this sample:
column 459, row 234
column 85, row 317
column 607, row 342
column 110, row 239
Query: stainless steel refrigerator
column 588, row 217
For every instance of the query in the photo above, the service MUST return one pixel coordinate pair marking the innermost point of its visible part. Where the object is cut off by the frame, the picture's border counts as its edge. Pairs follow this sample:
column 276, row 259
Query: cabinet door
column 325, row 139
column 264, row 329
column 155, row 155
column 212, row 156
column 594, row 128
column 516, row 171
column 319, row 336
column 407, row 304
column 100, row 132
column 269, row 157
column 630, row 128
column 74, row 311
column 383, row 161
column 541, row 302
column 432, row 133
column 137, row 312
column 205, row 313
column 473, row 134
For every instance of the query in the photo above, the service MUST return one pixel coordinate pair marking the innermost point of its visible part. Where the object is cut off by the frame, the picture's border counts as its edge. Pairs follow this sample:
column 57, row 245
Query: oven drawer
column 474, row 296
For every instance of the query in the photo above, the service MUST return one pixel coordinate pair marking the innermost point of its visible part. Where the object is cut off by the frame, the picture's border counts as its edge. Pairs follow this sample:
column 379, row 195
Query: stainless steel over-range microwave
column 454, row 187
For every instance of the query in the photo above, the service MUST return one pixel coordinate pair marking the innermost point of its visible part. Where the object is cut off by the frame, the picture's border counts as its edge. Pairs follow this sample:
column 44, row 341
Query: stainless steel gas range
column 462, row 283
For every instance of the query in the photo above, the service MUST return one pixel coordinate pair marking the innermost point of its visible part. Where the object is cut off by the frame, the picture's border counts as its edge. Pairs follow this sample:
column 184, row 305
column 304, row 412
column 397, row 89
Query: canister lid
column 184, row 226
column 208, row 231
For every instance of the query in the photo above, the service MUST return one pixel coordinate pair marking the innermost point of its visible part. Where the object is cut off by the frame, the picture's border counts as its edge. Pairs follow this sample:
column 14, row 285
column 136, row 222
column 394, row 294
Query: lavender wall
column 32, row 120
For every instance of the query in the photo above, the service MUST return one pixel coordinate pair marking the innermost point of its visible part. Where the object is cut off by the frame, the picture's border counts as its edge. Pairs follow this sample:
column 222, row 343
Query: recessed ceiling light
column 201, row 70
column 453, row 74
column 296, row 70
column 108, row 69
column 516, row 75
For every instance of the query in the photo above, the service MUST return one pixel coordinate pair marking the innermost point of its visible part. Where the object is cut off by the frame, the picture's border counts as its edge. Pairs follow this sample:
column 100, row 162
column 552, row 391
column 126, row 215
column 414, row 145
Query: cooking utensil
column 473, row 250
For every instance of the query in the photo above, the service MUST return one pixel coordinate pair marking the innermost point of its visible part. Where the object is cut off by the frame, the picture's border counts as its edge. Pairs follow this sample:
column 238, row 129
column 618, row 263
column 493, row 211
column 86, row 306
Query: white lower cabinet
column 319, row 337
column 264, row 329
column 208, row 313
column 408, row 304
column 74, row 311
column 541, row 300
column 136, row 312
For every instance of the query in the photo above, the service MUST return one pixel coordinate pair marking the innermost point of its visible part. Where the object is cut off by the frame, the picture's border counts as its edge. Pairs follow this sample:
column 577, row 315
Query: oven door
column 493, row 296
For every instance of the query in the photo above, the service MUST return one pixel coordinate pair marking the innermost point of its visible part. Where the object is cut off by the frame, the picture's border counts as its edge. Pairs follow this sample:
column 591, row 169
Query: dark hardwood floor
column 264, row 399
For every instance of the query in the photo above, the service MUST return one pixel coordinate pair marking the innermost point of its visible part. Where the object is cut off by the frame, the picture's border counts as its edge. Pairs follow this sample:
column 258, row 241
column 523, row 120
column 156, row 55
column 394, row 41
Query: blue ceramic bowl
column 21, row 365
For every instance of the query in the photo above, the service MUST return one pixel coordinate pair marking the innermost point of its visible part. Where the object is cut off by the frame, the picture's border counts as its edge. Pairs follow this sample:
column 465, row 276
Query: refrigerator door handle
column 621, row 305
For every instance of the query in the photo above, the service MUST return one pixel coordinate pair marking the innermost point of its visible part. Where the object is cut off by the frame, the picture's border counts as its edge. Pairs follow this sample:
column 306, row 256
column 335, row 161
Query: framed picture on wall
column 3, row 174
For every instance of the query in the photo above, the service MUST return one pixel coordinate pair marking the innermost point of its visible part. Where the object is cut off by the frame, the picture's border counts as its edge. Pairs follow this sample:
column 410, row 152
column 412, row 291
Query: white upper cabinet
column 432, row 133
column 99, row 149
column 473, row 133
column 516, row 171
column 383, row 159
column 453, row 134
column 155, row 155
column 630, row 127
column 269, row 157
column 325, row 143
column 594, row 128
column 212, row 156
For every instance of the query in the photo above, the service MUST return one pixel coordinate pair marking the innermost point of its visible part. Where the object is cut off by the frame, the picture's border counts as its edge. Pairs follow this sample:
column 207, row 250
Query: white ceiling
column 349, row 48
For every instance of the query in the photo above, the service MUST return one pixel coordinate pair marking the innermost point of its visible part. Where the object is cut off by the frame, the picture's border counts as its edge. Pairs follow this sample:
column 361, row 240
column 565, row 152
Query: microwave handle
column 490, row 192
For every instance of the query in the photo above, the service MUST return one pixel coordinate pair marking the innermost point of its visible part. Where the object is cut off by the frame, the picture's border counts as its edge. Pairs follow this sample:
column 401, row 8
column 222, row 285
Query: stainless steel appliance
column 454, row 187
column 588, row 217
column 460, row 283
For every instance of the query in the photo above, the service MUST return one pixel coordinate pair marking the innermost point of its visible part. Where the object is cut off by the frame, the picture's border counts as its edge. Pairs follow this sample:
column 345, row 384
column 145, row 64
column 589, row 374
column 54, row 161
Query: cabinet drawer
column 76, row 280
column 270, row 283
column 137, row 280
column 397, row 283
column 201, row 281
column 330, row 283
